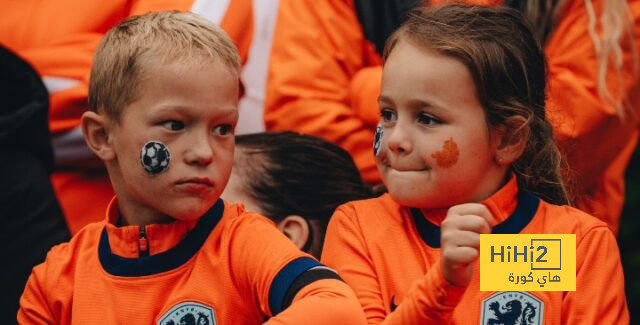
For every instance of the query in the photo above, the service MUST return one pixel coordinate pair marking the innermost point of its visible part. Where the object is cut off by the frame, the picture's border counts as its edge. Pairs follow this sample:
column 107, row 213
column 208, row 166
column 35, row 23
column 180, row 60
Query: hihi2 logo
column 527, row 262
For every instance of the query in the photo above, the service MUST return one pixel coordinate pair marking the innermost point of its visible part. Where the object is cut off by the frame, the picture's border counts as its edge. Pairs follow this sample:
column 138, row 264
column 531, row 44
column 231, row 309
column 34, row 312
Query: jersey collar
column 513, row 209
column 180, row 253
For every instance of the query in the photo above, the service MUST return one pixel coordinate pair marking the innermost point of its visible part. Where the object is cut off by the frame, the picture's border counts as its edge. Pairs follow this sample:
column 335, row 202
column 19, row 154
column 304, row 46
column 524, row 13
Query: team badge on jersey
column 155, row 157
column 377, row 140
column 512, row 308
column 189, row 313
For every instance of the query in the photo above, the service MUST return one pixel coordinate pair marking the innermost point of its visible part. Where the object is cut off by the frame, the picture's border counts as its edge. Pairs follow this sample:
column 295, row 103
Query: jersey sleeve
column 599, row 296
column 287, row 283
column 34, row 308
column 431, row 299
column 581, row 119
column 47, row 297
column 317, row 50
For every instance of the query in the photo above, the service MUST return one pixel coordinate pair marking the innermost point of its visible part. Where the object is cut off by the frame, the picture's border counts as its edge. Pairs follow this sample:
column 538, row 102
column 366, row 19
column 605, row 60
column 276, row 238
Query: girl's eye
column 173, row 125
column 427, row 119
column 387, row 115
column 225, row 129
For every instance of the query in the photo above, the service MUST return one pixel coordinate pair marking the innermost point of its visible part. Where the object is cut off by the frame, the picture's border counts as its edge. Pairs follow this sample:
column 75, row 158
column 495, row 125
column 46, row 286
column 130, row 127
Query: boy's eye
column 224, row 129
column 173, row 125
column 387, row 115
column 427, row 119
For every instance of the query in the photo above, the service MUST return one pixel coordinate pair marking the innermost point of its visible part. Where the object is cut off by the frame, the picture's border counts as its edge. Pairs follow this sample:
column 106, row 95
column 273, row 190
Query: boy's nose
column 199, row 151
column 398, row 140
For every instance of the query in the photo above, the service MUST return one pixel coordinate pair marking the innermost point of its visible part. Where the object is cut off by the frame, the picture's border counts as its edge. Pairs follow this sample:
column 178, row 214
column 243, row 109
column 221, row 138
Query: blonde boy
column 164, row 90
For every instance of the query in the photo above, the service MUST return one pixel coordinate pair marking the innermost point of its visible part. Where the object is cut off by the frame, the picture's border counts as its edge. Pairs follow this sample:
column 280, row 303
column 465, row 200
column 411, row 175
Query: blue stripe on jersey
column 165, row 261
column 526, row 209
column 283, row 280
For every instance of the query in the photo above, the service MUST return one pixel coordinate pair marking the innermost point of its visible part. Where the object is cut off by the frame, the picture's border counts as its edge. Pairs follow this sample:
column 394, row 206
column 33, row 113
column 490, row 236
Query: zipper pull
column 143, row 243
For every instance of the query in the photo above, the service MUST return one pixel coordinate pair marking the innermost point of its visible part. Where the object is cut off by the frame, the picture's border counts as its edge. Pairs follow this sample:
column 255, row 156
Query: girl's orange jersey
column 390, row 254
column 325, row 78
column 228, row 267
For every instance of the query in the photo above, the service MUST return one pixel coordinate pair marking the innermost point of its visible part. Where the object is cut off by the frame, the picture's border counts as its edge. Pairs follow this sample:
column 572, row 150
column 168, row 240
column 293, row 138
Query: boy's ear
column 514, row 135
column 95, row 128
column 296, row 228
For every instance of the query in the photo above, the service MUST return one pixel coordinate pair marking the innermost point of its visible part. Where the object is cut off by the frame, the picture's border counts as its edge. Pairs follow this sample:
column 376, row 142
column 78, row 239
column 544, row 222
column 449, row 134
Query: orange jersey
column 226, row 267
column 325, row 80
column 389, row 255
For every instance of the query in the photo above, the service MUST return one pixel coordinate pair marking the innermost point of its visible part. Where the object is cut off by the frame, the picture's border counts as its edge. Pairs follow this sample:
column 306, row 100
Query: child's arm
column 327, row 301
column 290, row 286
column 599, row 297
column 34, row 308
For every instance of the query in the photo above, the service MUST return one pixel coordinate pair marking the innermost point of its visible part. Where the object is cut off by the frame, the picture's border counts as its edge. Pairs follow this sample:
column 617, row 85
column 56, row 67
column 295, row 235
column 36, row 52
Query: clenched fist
column 460, row 240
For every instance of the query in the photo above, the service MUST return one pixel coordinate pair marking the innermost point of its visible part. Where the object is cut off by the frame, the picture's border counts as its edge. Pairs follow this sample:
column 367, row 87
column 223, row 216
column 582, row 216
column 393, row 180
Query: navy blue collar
column 526, row 209
column 165, row 261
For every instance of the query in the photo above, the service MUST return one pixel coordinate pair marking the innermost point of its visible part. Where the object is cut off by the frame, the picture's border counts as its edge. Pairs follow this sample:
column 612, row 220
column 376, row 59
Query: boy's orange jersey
column 390, row 254
column 325, row 80
column 228, row 267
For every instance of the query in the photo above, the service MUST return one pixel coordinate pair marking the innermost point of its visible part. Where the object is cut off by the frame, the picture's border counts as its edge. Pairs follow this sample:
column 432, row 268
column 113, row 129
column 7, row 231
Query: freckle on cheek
column 448, row 156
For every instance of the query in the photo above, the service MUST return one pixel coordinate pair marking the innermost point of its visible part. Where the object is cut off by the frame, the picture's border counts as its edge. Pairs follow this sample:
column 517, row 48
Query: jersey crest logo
column 189, row 313
column 512, row 308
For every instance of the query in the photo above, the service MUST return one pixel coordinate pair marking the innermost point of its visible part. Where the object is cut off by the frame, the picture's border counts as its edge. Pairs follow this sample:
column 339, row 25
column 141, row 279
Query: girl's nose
column 398, row 140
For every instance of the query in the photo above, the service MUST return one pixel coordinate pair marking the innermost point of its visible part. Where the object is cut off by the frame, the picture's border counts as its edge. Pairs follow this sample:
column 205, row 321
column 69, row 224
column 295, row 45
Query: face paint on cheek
column 448, row 156
column 155, row 157
column 377, row 140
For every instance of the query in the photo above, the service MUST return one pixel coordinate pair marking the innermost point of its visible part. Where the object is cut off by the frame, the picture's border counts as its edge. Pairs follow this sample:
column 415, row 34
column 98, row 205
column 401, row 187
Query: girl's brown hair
column 508, row 67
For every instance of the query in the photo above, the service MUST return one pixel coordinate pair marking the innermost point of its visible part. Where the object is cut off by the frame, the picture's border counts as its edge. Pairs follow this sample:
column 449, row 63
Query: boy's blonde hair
column 163, row 36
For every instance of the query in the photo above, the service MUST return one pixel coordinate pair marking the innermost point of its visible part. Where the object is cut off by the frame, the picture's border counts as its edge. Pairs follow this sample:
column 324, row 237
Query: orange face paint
column 448, row 156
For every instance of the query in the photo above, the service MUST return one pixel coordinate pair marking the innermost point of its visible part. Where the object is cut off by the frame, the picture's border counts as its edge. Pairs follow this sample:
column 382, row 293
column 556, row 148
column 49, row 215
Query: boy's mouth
column 196, row 180
column 195, row 185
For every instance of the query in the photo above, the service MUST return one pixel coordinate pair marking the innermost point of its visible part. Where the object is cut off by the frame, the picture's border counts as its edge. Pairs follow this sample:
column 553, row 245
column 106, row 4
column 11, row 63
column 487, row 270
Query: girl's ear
column 513, row 137
column 95, row 128
column 296, row 228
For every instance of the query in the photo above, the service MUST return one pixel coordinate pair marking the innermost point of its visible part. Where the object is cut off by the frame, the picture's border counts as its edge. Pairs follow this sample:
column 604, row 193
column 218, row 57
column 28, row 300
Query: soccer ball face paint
column 155, row 157
column 377, row 140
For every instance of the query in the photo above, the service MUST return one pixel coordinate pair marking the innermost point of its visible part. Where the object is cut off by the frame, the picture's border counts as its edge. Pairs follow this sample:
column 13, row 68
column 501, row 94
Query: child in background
column 164, row 89
column 464, row 149
column 295, row 180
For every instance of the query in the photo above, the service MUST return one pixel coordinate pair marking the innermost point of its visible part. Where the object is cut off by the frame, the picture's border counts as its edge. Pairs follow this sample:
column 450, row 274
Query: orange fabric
column 59, row 39
column 231, row 273
column 597, row 143
column 83, row 196
column 325, row 77
column 376, row 248
column 318, row 47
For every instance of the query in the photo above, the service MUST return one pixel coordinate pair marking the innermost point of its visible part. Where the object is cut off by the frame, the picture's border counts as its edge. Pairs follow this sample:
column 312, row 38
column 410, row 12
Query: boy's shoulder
column 237, row 221
column 63, row 259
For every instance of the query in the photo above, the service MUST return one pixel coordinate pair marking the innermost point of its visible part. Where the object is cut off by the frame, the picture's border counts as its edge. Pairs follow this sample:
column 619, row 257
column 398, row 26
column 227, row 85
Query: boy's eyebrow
column 182, row 109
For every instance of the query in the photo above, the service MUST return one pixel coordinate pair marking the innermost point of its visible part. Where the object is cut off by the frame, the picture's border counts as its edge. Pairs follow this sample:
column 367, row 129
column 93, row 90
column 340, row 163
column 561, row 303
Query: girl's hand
column 460, row 240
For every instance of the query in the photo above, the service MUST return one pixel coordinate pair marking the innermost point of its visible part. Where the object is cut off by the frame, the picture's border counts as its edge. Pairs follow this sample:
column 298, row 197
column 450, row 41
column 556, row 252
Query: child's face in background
column 192, row 109
column 436, row 150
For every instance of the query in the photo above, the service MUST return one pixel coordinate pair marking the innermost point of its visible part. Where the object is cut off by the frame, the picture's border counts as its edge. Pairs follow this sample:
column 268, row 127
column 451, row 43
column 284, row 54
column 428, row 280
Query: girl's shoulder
column 564, row 219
